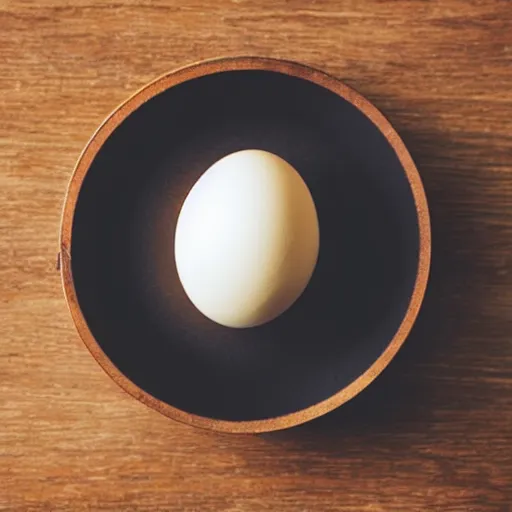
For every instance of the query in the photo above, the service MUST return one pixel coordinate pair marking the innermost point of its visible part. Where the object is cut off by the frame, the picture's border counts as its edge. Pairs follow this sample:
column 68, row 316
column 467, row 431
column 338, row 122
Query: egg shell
column 247, row 239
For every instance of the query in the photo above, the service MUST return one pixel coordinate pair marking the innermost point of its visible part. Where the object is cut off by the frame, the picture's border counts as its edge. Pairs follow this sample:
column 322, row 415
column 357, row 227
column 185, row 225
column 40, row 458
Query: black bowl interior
column 123, row 235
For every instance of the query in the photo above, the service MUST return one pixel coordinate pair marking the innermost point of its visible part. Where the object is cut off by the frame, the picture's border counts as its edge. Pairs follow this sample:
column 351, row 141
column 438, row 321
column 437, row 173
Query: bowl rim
column 209, row 67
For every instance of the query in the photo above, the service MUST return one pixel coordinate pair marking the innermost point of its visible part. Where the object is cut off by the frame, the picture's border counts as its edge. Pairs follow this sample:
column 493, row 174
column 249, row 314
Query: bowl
column 117, row 235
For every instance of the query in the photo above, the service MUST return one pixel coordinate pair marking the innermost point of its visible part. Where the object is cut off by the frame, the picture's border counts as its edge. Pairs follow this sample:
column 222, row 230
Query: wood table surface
column 434, row 432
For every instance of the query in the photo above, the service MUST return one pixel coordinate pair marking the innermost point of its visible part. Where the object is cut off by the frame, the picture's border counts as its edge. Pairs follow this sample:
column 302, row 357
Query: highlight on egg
column 247, row 239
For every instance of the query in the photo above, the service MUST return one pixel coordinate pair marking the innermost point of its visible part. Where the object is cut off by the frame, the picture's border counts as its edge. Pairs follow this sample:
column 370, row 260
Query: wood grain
column 433, row 433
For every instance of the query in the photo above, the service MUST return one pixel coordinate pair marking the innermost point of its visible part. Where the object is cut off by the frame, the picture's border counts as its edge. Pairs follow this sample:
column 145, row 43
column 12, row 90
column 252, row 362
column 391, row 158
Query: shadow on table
column 403, row 400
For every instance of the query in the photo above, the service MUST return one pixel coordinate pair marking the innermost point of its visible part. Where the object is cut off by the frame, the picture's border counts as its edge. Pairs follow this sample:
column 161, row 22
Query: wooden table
column 433, row 433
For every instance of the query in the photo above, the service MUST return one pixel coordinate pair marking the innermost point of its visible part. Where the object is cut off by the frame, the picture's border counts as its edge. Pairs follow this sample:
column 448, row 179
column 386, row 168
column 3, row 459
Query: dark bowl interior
column 123, row 234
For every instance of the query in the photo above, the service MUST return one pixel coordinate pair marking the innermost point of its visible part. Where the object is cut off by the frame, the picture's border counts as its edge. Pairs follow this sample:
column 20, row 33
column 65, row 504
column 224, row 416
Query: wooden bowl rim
column 208, row 67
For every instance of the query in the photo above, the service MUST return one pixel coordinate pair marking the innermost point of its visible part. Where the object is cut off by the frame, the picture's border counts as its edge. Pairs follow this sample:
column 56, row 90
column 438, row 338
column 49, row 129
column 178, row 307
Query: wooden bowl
column 117, row 235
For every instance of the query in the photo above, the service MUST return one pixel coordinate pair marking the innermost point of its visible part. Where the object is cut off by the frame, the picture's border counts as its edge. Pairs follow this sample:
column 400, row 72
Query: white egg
column 247, row 239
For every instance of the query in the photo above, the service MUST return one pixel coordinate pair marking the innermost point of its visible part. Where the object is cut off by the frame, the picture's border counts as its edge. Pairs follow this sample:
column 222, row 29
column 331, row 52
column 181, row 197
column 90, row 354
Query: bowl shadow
column 402, row 400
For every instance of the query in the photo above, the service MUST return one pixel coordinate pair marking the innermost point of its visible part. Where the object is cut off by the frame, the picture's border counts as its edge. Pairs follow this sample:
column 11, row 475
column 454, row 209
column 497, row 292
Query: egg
column 247, row 239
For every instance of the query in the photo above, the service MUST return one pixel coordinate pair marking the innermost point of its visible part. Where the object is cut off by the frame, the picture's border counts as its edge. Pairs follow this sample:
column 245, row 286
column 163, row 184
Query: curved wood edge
column 209, row 67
